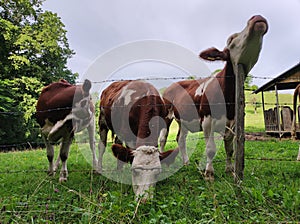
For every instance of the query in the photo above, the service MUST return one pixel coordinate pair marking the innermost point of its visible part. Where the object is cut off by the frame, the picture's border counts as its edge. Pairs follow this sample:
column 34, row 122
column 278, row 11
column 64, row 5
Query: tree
column 33, row 43
column 33, row 52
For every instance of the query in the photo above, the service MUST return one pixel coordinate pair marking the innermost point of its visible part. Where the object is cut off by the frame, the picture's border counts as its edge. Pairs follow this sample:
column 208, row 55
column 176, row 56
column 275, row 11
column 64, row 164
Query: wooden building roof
column 287, row 80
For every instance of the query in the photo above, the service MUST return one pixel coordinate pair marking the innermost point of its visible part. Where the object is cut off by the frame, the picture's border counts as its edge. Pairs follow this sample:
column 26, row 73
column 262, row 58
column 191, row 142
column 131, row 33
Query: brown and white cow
column 62, row 110
column 294, row 126
column 134, row 111
column 208, row 104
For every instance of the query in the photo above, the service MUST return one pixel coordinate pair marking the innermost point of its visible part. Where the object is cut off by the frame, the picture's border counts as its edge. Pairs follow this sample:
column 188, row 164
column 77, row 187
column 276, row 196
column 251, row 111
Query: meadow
column 269, row 193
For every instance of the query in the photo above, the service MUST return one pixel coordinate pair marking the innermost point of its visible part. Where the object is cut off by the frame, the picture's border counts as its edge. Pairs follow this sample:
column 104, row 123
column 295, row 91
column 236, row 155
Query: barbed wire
column 187, row 78
column 266, row 159
column 153, row 78
column 146, row 105
column 17, row 113
column 86, row 141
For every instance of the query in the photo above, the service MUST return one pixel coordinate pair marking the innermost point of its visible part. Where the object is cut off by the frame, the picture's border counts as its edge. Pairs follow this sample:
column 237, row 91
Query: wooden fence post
column 239, row 123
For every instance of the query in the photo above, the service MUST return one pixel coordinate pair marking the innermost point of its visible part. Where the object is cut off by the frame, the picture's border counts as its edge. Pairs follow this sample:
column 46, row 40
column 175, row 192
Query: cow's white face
column 81, row 110
column 146, row 167
column 244, row 47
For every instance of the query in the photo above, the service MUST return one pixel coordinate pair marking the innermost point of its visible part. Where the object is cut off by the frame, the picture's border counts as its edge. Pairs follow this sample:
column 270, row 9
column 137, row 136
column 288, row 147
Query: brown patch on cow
column 168, row 157
column 122, row 153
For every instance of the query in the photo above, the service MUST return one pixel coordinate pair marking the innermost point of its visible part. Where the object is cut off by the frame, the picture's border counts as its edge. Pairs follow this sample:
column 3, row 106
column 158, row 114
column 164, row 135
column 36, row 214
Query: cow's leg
column 228, row 142
column 102, row 146
column 164, row 134
column 210, row 148
column 50, row 156
column 103, row 140
column 64, row 153
column 298, row 157
column 182, row 145
column 91, row 131
column 120, row 164
column 56, row 165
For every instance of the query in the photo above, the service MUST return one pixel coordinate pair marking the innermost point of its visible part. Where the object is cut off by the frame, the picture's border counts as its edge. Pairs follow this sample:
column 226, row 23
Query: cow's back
column 128, row 108
column 55, row 102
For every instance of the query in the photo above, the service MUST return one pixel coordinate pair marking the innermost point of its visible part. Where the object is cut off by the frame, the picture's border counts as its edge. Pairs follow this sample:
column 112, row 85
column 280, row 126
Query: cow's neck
column 227, row 83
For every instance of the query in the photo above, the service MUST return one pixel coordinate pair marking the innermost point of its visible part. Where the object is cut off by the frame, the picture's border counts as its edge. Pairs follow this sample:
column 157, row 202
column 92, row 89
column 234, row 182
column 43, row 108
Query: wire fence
column 254, row 103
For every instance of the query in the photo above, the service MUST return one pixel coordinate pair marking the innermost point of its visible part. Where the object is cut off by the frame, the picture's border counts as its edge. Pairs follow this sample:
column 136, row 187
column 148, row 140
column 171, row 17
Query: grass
column 269, row 193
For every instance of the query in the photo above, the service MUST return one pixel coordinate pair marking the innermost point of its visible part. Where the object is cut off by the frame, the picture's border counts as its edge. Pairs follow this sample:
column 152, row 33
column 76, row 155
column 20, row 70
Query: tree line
column 34, row 51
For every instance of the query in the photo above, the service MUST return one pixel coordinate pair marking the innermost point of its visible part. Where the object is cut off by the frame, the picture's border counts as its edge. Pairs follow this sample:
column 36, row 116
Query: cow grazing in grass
column 134, row 111
column 294, row 126
column 208, row 104
column 62, row 110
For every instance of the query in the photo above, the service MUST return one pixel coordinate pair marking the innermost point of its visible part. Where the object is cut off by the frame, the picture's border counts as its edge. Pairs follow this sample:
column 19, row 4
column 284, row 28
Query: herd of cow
column 140, row 117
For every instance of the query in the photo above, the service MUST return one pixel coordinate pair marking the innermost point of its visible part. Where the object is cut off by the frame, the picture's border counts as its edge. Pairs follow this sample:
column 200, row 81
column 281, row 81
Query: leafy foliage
column 33, row 43
column 18, row 102
column 33, row 52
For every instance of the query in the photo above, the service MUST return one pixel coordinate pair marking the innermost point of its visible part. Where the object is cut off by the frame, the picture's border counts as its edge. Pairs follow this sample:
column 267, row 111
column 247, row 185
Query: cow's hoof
column 186, row 162
column 62, row 179
column 209, row 176
column 229, row 170
column 63, row 176
column 51, row 173
column 97, row 171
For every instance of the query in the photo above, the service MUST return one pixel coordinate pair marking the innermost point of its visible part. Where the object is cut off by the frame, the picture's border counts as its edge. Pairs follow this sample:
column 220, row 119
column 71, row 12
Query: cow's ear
column 213, row 54
column 168, row 157
column 86, row 86
column 122, row 153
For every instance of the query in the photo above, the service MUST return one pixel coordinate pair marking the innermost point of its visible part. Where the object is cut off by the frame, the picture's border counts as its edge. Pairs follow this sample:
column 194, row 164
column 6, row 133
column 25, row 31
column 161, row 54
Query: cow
column 294, row 126
column 62, row 110
column 208, row 104
column 134, row 111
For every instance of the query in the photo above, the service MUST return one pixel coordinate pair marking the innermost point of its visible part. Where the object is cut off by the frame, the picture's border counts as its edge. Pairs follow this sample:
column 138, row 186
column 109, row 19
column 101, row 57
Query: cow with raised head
column 62, row 110
column 134, row 111
column 208, row 104
column 294, row 126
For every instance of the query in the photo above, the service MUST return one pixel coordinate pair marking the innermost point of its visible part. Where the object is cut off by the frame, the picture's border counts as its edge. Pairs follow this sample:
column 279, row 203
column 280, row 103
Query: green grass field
column 269, row 193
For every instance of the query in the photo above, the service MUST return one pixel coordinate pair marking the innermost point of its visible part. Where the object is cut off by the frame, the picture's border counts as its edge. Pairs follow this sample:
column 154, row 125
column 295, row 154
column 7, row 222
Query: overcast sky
column 97, row 26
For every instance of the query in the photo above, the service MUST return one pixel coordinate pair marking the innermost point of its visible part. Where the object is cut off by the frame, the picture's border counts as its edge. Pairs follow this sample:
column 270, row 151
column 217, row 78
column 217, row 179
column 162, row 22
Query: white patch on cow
column 126, row 94
column 163, row 133
column 216, row 125
column 60, row 123
column 47, row 127
column 192, row 126
column 202, row 87
column 170, row 114
column 146, row 167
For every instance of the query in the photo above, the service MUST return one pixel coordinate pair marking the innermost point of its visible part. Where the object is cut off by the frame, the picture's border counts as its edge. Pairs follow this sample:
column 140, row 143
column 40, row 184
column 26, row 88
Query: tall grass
column 269, row 193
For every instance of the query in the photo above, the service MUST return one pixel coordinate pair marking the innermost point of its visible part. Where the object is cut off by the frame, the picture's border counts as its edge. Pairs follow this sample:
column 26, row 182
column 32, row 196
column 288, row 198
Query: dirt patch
column 257, row 136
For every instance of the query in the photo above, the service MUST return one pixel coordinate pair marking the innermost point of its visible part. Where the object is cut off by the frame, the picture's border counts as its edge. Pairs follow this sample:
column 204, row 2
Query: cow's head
column 80, row 116
column 146, row 166
column 83, row 108
column 244, row 47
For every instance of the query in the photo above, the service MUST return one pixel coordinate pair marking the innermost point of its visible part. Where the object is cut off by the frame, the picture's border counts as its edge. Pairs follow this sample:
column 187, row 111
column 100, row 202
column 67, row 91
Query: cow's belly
column 192, row 126
column 217, row 125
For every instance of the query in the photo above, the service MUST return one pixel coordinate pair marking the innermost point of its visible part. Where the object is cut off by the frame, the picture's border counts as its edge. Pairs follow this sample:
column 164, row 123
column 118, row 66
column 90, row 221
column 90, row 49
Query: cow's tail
column 296, row 93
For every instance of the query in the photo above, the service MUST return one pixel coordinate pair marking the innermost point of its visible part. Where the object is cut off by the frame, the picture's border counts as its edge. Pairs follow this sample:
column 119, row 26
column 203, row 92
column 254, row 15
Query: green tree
column 33, row 43
column 33, row 52
column 17, row 107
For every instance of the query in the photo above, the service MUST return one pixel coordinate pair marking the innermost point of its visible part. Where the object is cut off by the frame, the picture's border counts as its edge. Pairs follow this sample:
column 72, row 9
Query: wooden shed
column 278, row 120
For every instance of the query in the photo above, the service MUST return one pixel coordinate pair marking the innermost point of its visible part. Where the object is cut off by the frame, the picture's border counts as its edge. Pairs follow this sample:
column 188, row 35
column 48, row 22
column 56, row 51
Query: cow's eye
column 229, row 40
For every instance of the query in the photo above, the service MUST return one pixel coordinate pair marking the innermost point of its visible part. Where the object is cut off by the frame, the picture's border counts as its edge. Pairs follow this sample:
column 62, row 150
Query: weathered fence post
column 239, row 123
